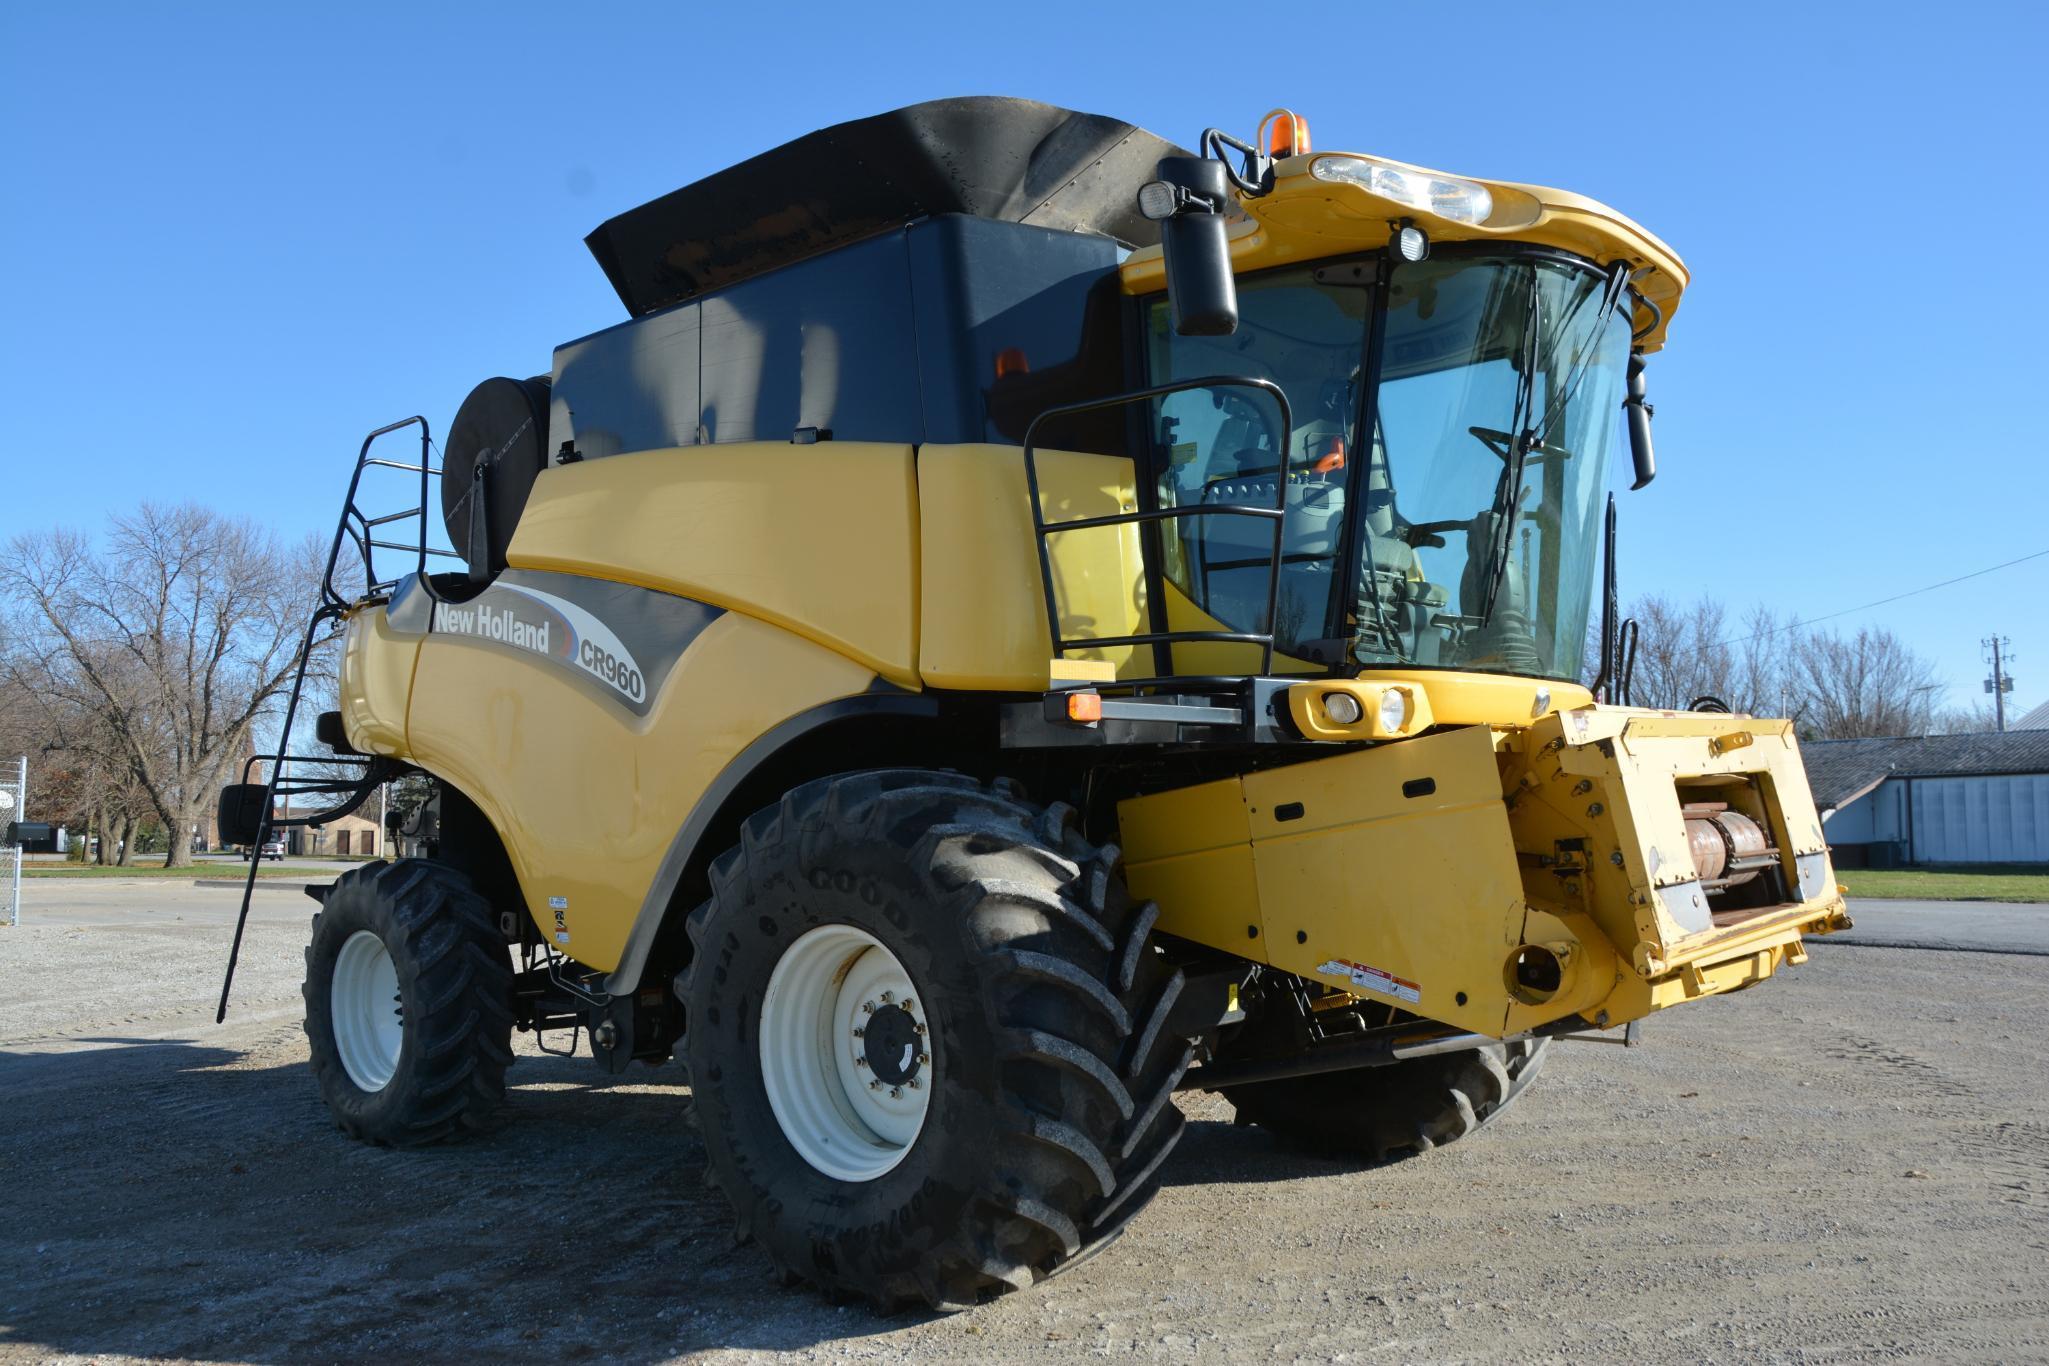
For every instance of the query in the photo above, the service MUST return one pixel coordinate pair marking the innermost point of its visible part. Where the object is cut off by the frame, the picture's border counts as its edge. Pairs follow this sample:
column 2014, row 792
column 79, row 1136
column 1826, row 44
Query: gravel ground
column 1849, row 1162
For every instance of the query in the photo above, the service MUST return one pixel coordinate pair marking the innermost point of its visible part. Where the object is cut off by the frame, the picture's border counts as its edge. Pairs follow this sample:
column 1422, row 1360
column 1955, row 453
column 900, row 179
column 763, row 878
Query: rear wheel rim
column 846, row 1054
column 365, row 1009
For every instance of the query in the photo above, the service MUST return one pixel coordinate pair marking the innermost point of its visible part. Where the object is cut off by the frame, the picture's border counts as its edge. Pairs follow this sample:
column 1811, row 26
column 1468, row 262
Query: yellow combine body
column 968, row 661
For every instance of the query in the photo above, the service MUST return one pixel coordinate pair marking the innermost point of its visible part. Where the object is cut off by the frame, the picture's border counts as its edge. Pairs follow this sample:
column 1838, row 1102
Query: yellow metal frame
column 1420, row 872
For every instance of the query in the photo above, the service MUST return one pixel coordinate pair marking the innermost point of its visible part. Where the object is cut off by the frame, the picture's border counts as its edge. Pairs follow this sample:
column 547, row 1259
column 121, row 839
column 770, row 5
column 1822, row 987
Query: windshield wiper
column 1521, row 438
column 1611, row 295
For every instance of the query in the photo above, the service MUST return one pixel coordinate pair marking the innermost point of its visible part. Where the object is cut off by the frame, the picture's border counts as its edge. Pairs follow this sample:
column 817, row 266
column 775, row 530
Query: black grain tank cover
column 1018, row 161
column 502, row 428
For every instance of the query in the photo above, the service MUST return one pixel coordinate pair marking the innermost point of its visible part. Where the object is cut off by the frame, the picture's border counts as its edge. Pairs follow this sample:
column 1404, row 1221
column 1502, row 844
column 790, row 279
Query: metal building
column 1934, row 798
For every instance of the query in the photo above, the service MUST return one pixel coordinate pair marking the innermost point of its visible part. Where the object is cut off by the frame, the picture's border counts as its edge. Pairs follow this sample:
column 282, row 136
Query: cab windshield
column 1467, row 528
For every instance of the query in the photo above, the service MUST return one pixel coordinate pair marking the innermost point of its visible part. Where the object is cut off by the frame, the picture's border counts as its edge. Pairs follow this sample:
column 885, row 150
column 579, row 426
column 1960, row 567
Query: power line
column 1863, row 607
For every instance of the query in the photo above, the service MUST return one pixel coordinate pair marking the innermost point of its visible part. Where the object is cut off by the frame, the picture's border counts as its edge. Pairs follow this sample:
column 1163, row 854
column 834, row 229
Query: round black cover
column 503, row 428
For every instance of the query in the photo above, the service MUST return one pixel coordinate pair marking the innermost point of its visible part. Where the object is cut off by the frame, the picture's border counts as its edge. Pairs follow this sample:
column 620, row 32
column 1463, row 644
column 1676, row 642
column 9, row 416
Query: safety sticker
column 1373, row 979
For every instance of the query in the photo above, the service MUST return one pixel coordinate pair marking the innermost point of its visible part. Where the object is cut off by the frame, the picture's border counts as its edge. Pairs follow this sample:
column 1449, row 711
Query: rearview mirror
column 1200, row 288
column 240, row 813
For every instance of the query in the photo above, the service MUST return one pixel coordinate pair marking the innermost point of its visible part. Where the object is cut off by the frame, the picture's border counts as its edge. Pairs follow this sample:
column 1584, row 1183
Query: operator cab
column 1461, row 547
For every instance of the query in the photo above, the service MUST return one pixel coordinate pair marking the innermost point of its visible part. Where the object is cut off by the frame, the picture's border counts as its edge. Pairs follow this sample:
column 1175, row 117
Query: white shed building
column 1934, row 798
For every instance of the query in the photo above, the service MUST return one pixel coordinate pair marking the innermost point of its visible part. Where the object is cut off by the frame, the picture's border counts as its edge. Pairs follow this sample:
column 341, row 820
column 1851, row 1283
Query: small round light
column 1343, row 708
column 1413, row 244
column 1156, row 200
column 1394, row 710
column 1541, row 703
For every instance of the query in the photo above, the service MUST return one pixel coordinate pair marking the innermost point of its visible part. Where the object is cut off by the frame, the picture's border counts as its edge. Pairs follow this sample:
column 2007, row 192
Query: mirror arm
column 1639, row 413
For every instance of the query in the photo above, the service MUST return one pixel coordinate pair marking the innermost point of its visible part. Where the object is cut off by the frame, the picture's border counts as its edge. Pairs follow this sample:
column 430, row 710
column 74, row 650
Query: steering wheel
column 1419, row 534
column 1501, row 443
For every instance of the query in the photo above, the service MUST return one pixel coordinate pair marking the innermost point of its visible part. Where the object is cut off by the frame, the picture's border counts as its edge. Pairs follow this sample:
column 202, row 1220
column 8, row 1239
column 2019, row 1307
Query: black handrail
column 356, row 526
column 333, row 605
column 1277, row 514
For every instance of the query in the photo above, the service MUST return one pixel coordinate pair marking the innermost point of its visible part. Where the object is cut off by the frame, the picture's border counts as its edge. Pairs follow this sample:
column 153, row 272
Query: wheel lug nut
column 875, row 1086
column 917, row 1029
column 860, row 1033
column 867, row 1007
column 910, row 1005
column 915, row 1084
column 860, row 1062
column 888, row 996
column 896, row 1093
column 925, row 1059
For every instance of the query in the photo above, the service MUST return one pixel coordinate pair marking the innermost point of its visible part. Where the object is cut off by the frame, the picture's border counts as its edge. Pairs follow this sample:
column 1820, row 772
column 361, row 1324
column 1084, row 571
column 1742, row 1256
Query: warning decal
column 1373, row 979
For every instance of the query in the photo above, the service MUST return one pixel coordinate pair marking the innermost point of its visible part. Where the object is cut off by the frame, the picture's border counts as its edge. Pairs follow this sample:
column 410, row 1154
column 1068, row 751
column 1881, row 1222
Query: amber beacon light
column 1287, row 133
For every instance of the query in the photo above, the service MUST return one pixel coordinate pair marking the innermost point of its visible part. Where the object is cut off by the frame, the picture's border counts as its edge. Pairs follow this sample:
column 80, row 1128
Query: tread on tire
column 1052, row 1109
column 455, row 981
column 1383, row 1114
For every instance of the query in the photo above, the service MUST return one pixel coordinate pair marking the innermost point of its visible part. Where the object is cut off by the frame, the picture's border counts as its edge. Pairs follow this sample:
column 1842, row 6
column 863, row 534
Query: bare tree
column 1834, row 686
column 1869, row 684
column 176, row 635
column 1679, row 655
column 1973, row 718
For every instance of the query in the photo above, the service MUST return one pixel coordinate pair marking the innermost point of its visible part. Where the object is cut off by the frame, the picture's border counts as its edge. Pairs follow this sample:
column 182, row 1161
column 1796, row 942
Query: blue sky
column 237, row 237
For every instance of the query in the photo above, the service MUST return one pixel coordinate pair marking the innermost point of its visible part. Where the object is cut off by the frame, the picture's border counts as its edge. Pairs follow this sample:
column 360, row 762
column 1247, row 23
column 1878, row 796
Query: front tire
column 1382, row 1114
column 408, row 1004
column 879, row 929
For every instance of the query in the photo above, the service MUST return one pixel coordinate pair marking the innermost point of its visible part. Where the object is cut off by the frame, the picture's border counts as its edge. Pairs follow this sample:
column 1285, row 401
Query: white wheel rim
column 364, row 1006
column 850, row 1102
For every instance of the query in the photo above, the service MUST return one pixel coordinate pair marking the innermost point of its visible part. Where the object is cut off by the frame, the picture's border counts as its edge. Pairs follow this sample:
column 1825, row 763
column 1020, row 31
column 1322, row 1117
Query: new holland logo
column 528, row 619
column 500, row 624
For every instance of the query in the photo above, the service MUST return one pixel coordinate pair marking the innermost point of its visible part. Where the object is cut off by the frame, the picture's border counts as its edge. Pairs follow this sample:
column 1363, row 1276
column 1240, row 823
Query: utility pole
column 2001, row 682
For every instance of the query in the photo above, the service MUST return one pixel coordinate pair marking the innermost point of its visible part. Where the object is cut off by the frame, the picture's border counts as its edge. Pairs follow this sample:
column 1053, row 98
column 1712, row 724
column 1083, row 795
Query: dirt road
column 1851, row 1161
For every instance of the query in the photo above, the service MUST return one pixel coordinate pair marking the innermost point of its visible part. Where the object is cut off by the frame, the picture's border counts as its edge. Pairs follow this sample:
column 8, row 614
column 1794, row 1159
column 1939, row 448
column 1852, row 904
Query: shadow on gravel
column 167, row 1199
column 1214, row 1151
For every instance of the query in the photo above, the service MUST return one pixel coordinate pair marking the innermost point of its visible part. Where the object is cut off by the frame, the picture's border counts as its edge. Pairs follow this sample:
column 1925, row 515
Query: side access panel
column 1388, row 871
column 821, row 540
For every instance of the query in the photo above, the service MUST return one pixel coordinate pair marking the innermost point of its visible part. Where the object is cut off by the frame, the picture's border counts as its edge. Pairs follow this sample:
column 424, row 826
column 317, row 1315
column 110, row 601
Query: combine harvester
column 1024, row 620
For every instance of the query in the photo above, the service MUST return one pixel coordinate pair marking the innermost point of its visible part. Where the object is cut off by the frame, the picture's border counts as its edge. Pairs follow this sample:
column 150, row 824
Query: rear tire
column 408, row 1004
column 1047, row 1076
column 1382, row 1114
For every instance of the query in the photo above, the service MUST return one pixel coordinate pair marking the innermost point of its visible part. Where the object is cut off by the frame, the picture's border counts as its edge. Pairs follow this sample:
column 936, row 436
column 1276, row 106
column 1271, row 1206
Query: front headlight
column 1461, row 201
column 1394, row 710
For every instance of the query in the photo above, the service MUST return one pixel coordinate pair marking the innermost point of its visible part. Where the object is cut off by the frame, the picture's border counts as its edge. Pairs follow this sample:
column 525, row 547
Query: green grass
column 1963, row 882
column 230, row 870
